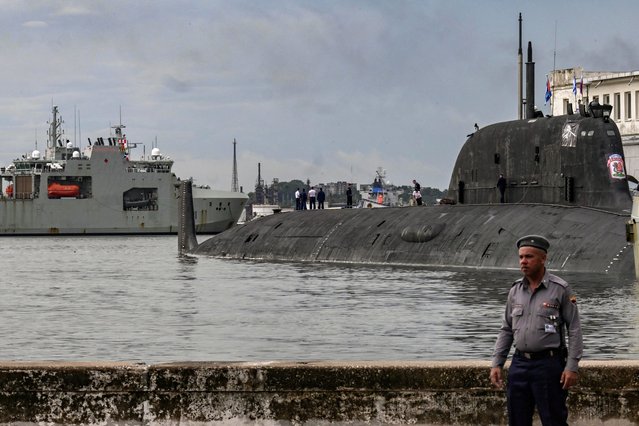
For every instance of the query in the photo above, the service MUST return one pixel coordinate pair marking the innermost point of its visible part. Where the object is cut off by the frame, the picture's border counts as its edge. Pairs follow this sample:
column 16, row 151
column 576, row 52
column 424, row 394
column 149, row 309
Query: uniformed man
column 540, row 310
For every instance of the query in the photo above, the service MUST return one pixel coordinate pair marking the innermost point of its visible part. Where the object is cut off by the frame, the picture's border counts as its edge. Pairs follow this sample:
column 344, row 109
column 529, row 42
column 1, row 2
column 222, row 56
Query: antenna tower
column 234, row 183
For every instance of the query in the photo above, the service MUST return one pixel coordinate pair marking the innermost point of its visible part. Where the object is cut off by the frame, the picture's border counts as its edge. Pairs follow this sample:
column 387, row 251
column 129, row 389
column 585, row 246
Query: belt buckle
column 527, row 355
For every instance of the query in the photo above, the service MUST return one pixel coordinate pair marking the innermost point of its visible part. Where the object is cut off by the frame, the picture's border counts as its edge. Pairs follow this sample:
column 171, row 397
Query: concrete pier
column 292, row 393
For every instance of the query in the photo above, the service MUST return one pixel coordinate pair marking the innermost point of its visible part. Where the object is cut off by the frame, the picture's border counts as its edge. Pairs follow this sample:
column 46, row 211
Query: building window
column 636, row 103
column 565, row 106
column 628, row 104
column 617, row 106
column 606, row 99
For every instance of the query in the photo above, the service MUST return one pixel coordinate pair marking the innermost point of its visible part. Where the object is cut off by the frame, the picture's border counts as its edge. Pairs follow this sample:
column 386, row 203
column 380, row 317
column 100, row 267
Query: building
column 574, row 88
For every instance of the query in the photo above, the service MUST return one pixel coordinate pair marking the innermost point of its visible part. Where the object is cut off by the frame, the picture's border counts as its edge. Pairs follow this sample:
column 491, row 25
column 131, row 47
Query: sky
column 320, row 90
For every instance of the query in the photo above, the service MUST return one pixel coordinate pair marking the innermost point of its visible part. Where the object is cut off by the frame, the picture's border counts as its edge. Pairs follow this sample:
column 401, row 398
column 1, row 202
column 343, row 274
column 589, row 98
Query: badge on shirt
column 550, row 328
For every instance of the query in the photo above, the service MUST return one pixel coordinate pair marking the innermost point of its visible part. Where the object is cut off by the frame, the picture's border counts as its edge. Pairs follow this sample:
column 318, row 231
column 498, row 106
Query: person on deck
column 321, row 196
column 311, row 198
column 501, row 185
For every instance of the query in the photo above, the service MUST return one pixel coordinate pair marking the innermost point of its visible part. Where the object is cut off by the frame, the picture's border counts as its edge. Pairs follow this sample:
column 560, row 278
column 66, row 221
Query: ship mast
column 55, row 129
column 120, row 138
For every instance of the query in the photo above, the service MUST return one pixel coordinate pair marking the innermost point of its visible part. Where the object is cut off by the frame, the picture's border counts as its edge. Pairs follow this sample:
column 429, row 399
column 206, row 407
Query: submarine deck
column 451, row 236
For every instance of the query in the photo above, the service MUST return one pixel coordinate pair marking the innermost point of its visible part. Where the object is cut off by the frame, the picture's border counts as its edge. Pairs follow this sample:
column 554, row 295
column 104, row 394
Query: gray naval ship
column 102, row 190
column 565, row 179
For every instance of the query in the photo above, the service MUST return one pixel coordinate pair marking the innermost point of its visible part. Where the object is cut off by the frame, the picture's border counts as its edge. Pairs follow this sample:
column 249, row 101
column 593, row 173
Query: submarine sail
column 569, row 160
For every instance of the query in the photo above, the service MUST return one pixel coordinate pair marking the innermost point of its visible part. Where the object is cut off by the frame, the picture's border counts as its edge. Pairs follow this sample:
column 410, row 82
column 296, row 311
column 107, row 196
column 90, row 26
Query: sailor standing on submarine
column 540, row 310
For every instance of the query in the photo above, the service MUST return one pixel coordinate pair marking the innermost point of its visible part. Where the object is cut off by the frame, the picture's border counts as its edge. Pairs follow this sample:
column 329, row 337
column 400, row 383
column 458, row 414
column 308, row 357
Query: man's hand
column 568, row 379
column 495, row 377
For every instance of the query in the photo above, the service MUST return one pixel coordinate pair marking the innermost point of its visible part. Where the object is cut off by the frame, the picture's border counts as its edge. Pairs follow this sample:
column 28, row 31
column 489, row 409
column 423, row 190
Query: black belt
column 548, row 353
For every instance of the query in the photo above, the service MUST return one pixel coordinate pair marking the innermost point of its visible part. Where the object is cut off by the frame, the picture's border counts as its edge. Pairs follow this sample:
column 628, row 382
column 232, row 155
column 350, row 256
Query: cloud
column 35, row 24
column 320, row 90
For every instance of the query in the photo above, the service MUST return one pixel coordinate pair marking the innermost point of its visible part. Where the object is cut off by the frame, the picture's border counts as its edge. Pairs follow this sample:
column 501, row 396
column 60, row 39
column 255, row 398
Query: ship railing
column 154, row 169
column 24, row 196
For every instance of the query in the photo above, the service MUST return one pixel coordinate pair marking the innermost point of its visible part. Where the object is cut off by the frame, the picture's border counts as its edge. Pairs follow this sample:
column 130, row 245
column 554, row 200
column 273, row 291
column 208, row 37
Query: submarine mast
column 530, row 84
column 520, row 60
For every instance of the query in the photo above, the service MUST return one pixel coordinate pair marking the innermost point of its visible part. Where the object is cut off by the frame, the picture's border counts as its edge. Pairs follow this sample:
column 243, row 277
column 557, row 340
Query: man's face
column 531, row 261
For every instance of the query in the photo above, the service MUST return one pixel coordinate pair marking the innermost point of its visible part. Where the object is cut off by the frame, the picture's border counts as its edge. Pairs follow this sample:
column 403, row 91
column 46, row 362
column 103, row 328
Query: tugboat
column 377, row 194
column 101, row 190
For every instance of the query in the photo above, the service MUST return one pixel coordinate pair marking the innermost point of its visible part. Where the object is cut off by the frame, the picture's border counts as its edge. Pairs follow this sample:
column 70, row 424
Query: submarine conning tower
column 574, row 159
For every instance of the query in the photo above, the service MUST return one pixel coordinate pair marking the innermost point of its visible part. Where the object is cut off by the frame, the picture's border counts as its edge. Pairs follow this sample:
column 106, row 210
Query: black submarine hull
column 446, row 236
column 563, row 177
column 566, row 181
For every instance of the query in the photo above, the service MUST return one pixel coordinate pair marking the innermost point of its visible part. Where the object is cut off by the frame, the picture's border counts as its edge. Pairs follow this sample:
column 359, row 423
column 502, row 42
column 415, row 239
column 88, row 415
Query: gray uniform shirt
column 538, row 321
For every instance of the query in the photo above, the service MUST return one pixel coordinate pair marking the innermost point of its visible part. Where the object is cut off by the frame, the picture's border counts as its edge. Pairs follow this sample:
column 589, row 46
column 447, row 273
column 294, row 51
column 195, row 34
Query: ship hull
column 217, row 211
column 447, row 236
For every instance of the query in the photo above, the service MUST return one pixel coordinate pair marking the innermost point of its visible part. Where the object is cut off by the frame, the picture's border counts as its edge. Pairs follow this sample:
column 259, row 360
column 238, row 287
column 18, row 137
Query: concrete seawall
column 292, row 393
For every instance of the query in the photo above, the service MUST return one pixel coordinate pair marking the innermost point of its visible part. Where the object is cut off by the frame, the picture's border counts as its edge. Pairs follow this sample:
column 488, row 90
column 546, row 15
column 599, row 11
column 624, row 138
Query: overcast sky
column 324, row 90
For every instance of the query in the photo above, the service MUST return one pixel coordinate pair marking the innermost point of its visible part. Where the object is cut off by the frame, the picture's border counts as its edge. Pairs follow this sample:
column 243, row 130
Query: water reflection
column 134, row 298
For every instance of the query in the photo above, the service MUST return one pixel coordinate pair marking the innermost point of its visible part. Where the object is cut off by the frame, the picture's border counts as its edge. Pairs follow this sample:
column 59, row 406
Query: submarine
column 565, row 180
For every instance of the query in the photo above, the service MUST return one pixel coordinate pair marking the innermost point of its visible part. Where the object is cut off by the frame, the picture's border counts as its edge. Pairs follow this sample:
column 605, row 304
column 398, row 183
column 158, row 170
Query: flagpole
column 554, row 64
column 574, row 87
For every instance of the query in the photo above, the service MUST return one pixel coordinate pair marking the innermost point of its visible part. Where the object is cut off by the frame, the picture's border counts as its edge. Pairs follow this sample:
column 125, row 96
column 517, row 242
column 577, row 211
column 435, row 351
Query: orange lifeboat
column 58, row 190
column 9, row 191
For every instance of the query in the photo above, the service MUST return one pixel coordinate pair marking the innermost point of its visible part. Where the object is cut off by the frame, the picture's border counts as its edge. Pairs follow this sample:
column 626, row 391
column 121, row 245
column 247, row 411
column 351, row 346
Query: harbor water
column 135, row 299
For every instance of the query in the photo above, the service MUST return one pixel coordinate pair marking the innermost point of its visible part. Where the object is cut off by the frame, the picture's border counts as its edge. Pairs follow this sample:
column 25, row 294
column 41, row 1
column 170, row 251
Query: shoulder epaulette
column 557, row 280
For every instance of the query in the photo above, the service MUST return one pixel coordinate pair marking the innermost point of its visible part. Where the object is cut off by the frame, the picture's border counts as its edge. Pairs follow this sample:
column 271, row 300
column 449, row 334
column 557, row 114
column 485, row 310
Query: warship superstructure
column 102, row 190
